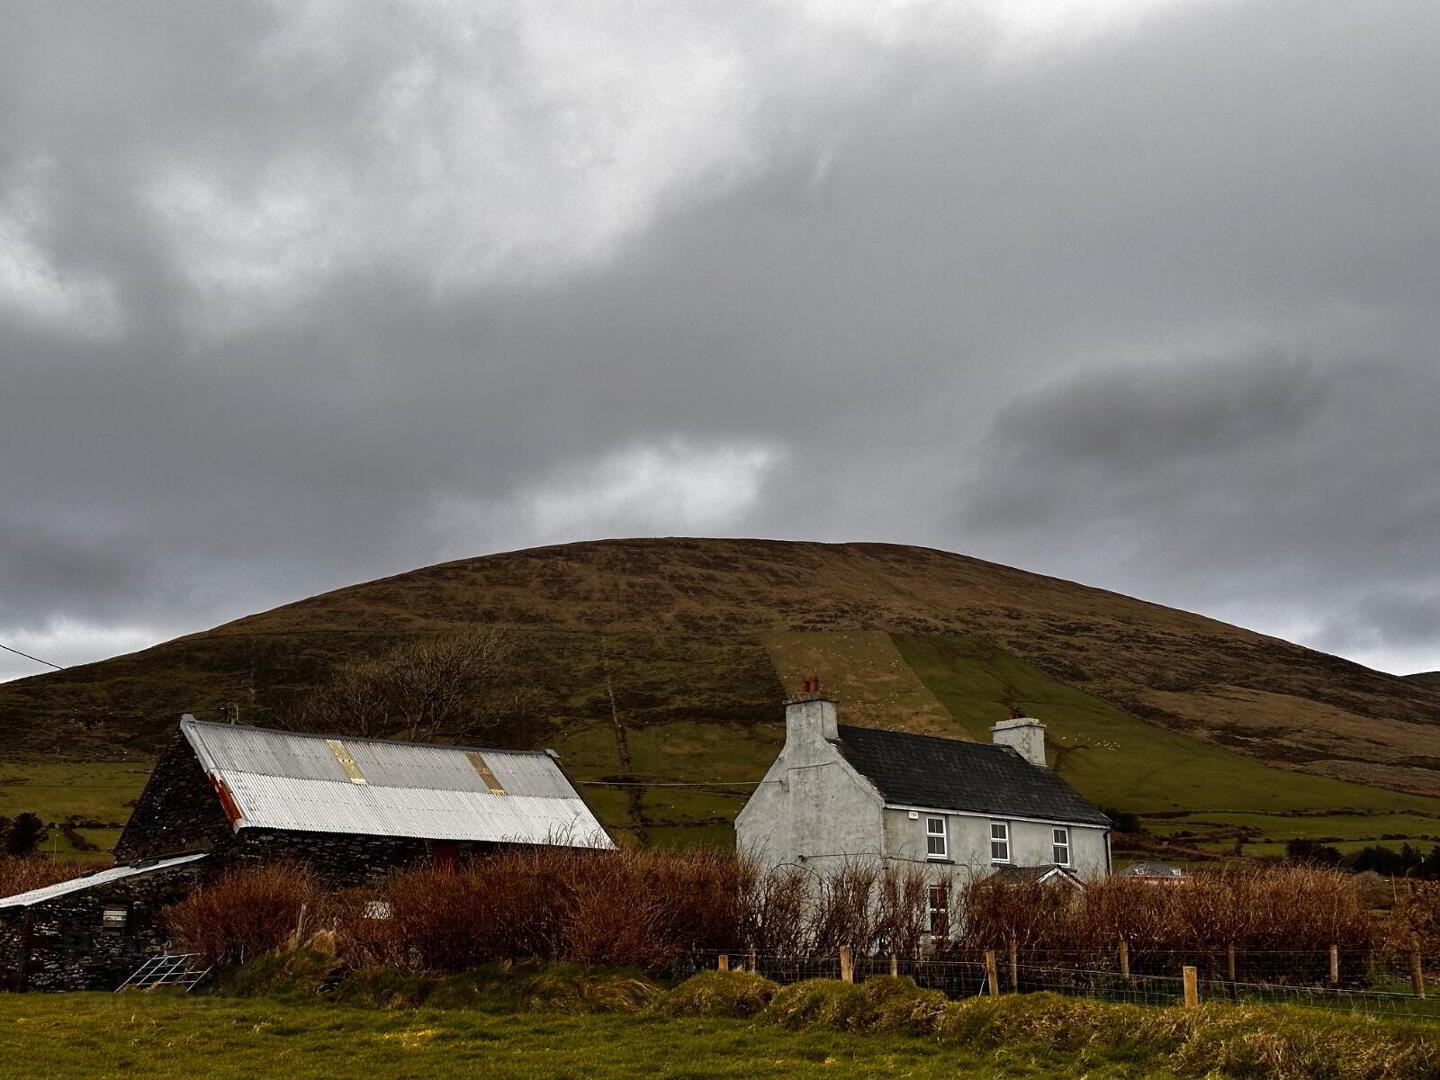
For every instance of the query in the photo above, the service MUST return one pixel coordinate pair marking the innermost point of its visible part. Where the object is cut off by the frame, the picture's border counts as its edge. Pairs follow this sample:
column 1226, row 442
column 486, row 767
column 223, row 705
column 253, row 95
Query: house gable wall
column 812, row 809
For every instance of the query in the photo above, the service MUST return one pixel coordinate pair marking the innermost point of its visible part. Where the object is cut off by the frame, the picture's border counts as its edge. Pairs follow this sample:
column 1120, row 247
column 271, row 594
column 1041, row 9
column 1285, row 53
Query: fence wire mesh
column 1371, row 982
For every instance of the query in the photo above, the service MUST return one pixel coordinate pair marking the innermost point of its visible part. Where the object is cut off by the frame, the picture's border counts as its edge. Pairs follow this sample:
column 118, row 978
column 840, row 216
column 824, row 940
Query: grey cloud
column 1151, row 309
column 1145, row 416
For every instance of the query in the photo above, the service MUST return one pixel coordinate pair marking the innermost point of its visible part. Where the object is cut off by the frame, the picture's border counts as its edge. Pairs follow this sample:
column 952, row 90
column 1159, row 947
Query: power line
column 17, row 652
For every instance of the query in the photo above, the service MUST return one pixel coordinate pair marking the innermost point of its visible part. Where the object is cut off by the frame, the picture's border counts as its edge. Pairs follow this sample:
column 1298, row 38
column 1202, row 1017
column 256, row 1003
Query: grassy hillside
column 663, row 663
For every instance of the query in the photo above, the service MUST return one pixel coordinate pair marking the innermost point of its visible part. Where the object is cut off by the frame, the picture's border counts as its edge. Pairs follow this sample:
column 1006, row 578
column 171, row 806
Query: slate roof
column 89, row 881
column 375, row 787
column 951, row 774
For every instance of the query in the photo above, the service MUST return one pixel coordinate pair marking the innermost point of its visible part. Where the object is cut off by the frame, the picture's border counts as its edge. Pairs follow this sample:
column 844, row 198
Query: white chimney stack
column 810, row 716
column 1024, row 734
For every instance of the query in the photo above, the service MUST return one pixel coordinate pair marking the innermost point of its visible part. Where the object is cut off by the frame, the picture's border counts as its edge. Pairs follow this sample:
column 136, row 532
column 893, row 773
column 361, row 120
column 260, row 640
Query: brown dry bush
column 21, row 873
column 635, row 908
column 1289, row 908
column 1414, row 920
column 250, row 910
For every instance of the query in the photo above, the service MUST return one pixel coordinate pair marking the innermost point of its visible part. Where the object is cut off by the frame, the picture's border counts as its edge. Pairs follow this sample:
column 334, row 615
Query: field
column 157, row 1037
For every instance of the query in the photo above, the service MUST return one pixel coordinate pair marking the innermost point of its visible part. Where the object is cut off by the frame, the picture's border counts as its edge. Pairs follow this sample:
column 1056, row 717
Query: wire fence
column 1369, row 982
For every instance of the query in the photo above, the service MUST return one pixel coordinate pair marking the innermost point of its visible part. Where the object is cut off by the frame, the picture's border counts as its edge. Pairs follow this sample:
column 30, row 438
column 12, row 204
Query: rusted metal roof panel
column 89, row 881
column 291, row 780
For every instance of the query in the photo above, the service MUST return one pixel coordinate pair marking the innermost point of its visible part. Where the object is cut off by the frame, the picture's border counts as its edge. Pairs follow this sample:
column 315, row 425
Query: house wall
column 812, row 808
column 62, row 945
column 969, row 838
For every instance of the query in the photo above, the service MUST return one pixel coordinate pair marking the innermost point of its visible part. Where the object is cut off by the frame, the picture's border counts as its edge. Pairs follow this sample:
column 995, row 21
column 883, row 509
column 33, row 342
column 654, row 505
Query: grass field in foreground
column 155, row 1037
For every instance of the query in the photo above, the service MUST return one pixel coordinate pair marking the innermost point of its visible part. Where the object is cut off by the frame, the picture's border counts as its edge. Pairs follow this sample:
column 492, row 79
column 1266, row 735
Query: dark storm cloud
column 296, row 295
column 1146, row 417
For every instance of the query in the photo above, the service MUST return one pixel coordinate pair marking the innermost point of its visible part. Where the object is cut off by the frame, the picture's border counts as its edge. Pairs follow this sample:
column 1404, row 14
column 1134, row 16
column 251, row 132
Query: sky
column 1140, row 294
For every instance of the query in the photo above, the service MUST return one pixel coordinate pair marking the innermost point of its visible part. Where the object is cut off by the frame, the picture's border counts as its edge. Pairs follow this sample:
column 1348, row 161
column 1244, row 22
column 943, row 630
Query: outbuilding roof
column 1030, row 875
column 374, row 787
column 89, row 881
column 951, row 774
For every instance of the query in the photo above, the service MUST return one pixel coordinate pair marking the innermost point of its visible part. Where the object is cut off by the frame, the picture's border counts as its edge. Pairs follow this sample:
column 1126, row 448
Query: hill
column 663, row 661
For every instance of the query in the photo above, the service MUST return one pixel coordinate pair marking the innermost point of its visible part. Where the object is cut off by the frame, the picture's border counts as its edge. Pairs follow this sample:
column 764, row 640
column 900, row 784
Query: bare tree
column 445, row 687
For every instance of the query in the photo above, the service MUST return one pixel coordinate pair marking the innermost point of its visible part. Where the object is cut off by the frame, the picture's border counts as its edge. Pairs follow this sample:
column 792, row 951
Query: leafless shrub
column 1295, row 908
column 452, row 686
column 21, row 873
column 251, row 910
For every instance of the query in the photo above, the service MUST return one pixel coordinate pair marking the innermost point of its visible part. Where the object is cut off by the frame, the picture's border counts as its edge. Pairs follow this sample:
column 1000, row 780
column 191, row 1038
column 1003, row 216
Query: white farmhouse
column 840, row 795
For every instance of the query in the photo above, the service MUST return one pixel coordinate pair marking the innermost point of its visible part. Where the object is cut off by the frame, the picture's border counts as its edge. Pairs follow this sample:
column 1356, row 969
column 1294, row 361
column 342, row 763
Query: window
column 999, row 841
column 937, row 843
column 939, row 898
column 1060, row 846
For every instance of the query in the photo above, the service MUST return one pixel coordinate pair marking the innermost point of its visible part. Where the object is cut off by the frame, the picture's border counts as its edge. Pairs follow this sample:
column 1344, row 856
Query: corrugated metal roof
column 89, row 881
column 315, row 783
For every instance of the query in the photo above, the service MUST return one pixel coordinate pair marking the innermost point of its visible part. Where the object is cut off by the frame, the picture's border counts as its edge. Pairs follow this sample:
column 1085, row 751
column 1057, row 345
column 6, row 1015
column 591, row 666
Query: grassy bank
column 152, row 1037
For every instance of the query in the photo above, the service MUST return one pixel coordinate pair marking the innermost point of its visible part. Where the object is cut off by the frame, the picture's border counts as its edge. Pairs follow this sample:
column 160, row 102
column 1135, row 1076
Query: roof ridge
column 192, row 721
column 931, row 738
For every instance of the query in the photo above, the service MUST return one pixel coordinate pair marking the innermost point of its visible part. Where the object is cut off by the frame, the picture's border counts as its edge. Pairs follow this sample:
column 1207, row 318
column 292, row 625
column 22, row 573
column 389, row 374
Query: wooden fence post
column 722, row 962
column 1192, row 987
column 895, row 964
column 847, row 964
column 299, row 937
column 992, row 973
column 1334, row 965
column 1230, row 962
column 1125, row 959
column 1417, row 974
column 1014, row 966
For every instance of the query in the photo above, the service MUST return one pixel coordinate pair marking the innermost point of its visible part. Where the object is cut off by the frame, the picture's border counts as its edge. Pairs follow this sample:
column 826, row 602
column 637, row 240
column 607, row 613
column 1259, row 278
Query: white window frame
column 1060, row 839
column 938, row 915
column 941, row 834
column 1001, row 838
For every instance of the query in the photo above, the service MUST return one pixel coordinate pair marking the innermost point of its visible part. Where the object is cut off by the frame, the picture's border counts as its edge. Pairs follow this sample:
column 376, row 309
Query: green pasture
column 1329, row 828
column 162, row 1037
column 100, row 791
column 1119, row 760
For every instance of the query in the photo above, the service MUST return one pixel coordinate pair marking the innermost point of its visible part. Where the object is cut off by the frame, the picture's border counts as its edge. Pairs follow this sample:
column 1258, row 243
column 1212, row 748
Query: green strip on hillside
column 1116, row 759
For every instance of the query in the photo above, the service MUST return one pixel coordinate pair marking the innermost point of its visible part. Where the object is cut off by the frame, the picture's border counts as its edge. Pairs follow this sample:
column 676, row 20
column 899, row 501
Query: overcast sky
column 303, row 294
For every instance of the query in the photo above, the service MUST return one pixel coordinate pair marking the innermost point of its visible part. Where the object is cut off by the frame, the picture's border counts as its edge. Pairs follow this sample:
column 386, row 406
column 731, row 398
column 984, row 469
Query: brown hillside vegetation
column 666, row 659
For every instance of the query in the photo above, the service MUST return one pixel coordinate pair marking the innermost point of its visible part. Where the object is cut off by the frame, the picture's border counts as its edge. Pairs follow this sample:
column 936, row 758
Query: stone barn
column 226, row 795
column 91, row 932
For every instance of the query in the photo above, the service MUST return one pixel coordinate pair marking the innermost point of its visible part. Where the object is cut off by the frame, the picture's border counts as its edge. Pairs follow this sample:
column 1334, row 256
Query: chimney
column 1022, row 733
column 810, row 715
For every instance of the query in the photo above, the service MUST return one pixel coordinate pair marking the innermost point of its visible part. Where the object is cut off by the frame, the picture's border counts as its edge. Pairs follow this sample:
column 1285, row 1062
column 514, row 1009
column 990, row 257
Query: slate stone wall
column 177, row 812
column 343, row 860
column 62, row 944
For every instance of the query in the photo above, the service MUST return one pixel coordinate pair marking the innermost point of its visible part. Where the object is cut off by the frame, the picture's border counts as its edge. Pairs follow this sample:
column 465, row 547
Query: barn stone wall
column 177, row 812
column 339, row 859
column 62, row 944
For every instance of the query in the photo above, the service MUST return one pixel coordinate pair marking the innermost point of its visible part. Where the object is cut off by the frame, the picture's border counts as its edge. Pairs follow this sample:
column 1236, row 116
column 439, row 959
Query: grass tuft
column 718, row 993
